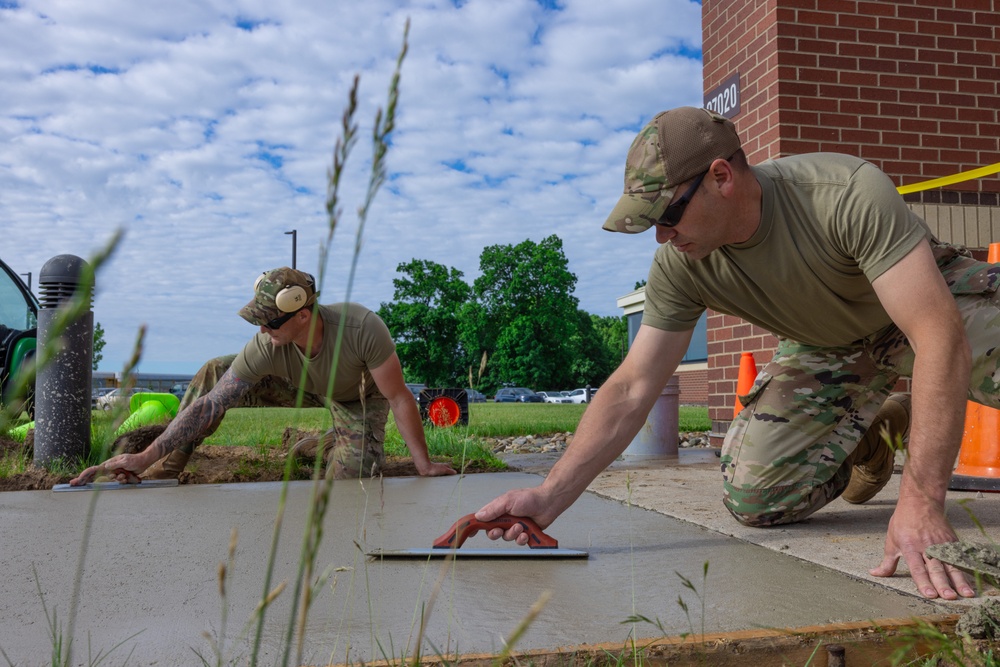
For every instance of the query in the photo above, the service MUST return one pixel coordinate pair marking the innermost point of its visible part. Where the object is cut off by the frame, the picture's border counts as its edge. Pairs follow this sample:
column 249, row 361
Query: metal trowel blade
column 476, row 553
column 114, row 486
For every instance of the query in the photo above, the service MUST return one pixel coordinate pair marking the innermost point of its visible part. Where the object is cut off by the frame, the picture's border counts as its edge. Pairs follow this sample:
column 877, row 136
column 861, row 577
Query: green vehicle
column 18, row 333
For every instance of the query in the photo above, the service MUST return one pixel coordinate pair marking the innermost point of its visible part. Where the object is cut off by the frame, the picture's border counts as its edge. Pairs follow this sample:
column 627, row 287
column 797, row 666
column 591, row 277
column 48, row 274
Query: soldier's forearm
column 197, row 422
column 200, row 419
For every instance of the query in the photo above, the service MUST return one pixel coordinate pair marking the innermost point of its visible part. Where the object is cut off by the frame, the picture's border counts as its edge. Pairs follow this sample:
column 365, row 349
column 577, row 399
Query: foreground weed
column 521, row 628
column 686, row 583
column 307, row 585
column 701, row 597
column 68, row 313
column 943, row 649
column 61, row 646
column 218, row 642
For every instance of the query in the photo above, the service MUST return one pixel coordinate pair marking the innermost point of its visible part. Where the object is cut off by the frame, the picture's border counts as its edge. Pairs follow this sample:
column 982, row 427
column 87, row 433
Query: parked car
column 18, row 332
column 179, row 390
column 516, row 395
column 554, row 397
column 96, row 393
column 475, row 396
column 118, row 396
column 580, row 395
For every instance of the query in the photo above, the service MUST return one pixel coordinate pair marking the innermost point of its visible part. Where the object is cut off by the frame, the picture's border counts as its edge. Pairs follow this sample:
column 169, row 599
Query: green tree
column 593, row 358
column 523, row 315
column 613, row 331
column 98, row 344
column 423, row 319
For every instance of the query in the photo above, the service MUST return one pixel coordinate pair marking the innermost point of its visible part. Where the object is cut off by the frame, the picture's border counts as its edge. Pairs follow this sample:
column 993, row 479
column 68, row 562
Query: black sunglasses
column 672, row 216
column 276, row 323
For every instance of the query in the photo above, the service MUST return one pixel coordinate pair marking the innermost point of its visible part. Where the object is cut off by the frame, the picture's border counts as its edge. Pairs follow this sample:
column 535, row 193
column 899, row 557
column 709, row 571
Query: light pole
column 294, row 234
column 29, row 279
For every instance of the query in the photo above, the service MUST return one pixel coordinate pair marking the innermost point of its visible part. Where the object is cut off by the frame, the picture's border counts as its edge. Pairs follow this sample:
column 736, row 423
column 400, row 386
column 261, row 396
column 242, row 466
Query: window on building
column 698, row 349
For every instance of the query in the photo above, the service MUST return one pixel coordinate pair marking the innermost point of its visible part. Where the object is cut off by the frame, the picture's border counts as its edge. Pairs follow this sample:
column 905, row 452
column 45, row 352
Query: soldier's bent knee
column 761, row 508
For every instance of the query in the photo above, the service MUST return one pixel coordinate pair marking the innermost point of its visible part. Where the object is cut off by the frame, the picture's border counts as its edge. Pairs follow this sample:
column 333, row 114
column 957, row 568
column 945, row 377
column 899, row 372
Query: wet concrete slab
column 845, row 537
column 149, row 584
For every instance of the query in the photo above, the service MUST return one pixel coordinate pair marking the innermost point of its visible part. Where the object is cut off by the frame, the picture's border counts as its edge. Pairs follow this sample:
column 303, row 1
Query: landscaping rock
column 534, row 444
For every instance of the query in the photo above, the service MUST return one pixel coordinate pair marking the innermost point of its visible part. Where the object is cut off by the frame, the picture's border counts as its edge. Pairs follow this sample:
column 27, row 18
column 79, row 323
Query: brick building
column 910, row 85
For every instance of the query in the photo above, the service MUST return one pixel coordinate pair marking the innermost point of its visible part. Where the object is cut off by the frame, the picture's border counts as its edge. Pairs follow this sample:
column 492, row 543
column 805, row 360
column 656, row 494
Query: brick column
column 910, row 86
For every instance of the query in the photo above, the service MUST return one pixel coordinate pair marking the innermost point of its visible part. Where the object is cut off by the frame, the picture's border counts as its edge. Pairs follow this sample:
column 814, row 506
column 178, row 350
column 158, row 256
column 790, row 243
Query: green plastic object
column 21, row 432
column 166, row 399
column 150, row 412
column 146, row 408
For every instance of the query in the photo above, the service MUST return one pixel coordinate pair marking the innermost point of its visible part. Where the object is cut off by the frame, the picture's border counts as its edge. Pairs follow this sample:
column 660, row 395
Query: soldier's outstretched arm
column 607, row 427
column 199, row 420
column 942, row 361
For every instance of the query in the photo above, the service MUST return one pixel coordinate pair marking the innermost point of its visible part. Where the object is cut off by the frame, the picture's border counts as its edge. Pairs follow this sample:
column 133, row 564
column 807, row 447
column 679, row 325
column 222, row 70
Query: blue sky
column 205, row 129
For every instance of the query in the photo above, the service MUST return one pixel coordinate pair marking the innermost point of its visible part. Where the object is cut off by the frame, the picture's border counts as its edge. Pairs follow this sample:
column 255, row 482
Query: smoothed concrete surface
column 841, row 536
column 153, row 555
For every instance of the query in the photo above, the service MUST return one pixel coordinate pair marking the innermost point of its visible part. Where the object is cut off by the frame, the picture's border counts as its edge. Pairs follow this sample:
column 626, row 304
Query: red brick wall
column 693, row 386
column 911, row 86
column 728, row 338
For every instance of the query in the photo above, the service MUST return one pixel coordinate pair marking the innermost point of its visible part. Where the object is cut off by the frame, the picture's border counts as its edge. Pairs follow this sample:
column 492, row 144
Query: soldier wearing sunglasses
column 350, row 365
column 821, row 250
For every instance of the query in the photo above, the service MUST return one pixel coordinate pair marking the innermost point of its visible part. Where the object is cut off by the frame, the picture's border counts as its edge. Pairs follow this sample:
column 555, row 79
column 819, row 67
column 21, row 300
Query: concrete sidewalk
column 149, row 588
column 843, row 537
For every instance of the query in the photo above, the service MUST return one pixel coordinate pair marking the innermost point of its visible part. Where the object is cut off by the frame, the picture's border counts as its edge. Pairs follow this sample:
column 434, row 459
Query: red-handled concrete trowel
column 539, row 544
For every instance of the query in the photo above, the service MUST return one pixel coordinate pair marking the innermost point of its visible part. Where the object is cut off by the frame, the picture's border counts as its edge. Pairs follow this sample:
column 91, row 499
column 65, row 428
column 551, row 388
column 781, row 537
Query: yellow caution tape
column 950, row 180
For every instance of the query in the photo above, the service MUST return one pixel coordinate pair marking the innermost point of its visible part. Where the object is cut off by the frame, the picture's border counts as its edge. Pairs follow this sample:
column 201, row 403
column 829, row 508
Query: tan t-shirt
column 366, row 344
column 830, row 225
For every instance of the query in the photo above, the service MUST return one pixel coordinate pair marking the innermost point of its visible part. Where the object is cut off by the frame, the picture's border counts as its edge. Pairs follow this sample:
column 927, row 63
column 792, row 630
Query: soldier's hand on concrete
column 432, row 469
column 124, row 468
column 911, row 530
column 519, row 502
column 85, row 477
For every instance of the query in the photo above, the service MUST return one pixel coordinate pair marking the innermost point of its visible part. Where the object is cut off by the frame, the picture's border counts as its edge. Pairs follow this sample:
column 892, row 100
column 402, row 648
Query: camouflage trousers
column 352, row 448
column 790, row 450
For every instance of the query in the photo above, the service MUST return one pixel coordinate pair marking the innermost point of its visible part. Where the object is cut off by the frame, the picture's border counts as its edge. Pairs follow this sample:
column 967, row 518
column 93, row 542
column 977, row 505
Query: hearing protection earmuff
column 292, row 298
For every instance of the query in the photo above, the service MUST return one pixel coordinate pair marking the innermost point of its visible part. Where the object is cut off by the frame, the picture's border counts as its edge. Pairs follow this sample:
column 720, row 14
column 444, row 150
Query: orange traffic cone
column 979, row 458
column 744, row 382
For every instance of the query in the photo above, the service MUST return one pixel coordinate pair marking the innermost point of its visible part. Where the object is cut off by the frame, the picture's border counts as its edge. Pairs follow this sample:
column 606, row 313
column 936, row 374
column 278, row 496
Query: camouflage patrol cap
column 292, row 289
column 674, row 147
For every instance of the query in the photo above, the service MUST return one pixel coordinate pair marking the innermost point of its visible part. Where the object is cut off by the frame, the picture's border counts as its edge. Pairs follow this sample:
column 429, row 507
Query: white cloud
column 205, row 130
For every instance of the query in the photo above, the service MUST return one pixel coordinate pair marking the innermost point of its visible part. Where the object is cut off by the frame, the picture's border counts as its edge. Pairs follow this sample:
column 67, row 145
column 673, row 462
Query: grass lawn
column 263, row 427
column 253, row 426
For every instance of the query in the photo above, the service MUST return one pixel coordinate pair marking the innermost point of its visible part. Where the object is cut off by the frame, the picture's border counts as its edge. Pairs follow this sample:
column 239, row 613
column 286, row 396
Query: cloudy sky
column 204, row 129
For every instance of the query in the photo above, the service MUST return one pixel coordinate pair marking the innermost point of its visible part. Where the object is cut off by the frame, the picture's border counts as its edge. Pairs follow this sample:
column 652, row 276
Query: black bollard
column 63, row 385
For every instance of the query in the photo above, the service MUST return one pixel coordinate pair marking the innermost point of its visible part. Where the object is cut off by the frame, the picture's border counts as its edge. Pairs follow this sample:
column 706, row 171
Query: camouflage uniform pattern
column 790, row 450
column 352, row 448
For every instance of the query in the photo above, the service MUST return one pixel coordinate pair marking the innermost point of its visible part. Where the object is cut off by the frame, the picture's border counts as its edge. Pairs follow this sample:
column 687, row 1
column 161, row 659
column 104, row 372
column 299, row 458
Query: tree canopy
column 519, row 315
column 423, row 319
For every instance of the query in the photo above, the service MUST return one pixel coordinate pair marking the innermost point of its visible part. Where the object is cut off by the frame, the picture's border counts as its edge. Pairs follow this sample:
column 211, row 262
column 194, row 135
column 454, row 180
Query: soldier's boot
column 306, row 449
column 169, row 467
column 874, row 458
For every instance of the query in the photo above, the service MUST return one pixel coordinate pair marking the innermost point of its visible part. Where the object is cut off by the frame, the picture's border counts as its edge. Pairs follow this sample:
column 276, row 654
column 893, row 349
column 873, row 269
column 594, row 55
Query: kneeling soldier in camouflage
column 360, row 383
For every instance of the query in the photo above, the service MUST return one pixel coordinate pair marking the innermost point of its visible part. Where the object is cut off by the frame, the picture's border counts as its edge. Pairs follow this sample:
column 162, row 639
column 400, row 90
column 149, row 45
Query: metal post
column 29, row 279
column 658, row 436
column 63, row 385
column 294, row 234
